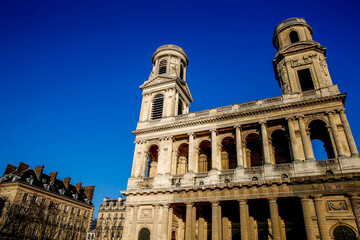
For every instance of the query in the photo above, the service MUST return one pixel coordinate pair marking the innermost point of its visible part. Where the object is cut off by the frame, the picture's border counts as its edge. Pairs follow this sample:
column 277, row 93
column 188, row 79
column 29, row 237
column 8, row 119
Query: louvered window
column 162, row 66
column 180, row 107
column 157, row 108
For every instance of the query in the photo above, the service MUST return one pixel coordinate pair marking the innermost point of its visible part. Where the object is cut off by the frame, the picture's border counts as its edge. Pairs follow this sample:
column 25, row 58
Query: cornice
column 340, row 97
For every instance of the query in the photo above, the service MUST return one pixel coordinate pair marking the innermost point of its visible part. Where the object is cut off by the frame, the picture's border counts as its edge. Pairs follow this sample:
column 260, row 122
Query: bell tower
column 166, row 93
column 300, row 62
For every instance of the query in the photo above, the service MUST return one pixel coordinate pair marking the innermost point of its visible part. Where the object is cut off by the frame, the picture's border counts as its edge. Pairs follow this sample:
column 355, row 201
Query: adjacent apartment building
column 248, row 170
column 111, row 219
column 35, row 205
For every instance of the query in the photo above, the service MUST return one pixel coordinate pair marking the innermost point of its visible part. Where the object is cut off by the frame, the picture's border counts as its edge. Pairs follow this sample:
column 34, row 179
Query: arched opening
column 157, row 107
column 319, row 131
column 305, row 79
column 344, row 233
column 228, row 153
column 294, row 37
column 204, row 156
column 180, row 107
column 182, row 162
column 181, row 72
column 281, row 148
column 152, row 161
column 162, row 66
column 144, row 234
column 254, row 150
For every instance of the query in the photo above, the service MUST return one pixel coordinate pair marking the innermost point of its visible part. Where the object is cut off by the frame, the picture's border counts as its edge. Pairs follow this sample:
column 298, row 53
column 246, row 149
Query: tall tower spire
column 300, row 62
column 166, row 93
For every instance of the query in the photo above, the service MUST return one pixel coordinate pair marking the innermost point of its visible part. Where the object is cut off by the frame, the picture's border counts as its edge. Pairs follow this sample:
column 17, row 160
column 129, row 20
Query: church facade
column 245, row 171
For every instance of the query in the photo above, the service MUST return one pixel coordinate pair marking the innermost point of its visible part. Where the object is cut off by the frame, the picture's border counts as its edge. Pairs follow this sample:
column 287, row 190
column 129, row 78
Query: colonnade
column 313, row 210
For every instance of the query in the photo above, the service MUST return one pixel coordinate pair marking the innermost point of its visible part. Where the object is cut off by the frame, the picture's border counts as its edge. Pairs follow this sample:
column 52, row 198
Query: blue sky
column 70, row 71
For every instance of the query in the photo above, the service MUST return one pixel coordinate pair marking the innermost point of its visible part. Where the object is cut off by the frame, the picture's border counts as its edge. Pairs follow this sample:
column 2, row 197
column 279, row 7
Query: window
column 157, row 108
column 33, row 200
column 42, row 201
column 181, row 72
column 162, row 66
column 66, row 209
column 25, row 197
column 72, row 210
column 305, row 79
column 78, row 213
column 180, row 107
column 294, row 37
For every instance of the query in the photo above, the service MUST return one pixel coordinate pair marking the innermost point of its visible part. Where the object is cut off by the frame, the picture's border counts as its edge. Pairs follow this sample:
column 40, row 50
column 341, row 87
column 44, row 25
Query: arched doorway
column 254, row 150
column 281, row 147
column 204, row 156
column 344, row 233
column 144, row 234
column 228, row 153
column 319, row 131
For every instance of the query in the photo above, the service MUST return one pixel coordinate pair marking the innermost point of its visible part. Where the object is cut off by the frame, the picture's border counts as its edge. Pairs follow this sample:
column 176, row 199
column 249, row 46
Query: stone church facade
column 245, row 171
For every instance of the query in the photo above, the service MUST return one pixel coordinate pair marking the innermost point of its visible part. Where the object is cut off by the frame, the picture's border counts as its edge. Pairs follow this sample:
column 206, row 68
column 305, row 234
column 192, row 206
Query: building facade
column 39, row 206
column 111, row 219
column 245, row 171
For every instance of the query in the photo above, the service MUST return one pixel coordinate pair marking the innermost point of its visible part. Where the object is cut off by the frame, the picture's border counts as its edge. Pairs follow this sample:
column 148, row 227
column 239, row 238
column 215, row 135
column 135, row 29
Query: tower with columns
column 245, row 171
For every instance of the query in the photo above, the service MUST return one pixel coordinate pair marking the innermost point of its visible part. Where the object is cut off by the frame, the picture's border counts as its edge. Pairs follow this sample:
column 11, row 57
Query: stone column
column 175, row 158
column 244, row 220
column 214, row 221
column 309, row 227
column 191, row 159
column 201, row 235
column 144, row 164
column 293, row 141
column 335, row 132
column 265, row 143
column 156, row 221
column 220, row 222
column 309, row 153
column 188, row 224
column 274, row 214
column 193, row 223
column 239, row 155
column 133, row 234
column 165, row 221
column 320, row 214
column 355, row 205
column 214, row 162
column 348, row 134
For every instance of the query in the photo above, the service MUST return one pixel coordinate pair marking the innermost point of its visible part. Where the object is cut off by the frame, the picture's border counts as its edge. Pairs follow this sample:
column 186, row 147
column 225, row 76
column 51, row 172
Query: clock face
column 174, row 60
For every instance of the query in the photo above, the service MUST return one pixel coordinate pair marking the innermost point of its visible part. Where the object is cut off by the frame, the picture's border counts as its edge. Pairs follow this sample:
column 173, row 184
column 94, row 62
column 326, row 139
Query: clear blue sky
column 70, row 72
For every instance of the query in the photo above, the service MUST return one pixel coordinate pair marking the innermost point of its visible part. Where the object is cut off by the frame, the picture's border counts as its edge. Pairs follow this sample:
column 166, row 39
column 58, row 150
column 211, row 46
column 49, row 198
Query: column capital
column 191, row 134
column 262, row 122
column 304, row 197
column 317, row 196
column 272, row 199
column 237, row 126
column 165, row 205
column 189, row 204
column 214, row 203
column 242, row 201
column 213, row 130
column 156, row 205
column 287, row 118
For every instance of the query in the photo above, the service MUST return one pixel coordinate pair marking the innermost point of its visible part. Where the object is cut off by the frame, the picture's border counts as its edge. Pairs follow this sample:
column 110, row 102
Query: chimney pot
column 67, row 182
column 89, row 192
column 78, row 186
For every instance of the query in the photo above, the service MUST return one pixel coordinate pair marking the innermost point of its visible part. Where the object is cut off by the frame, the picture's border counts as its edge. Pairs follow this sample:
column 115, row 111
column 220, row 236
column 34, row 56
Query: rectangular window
column 24, row 199
column 305, row 79
column 33, row 200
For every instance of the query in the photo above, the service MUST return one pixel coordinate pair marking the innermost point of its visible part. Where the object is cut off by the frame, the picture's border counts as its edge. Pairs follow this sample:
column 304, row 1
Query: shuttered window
column 162, row 66
column 180, row 107
column 157, row 108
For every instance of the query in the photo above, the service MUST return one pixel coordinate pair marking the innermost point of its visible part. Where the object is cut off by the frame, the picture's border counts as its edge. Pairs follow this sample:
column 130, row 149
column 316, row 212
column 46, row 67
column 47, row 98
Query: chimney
column 22, row 167
column 89, row 192
column 39, row 170
column 53, row 176
column 67, row 182
column 9, row 169
column 78, row 187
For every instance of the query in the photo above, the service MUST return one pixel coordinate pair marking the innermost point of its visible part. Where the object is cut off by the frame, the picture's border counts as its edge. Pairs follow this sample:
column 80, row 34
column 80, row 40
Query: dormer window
column 294, row 37
column 162, row 66
column 157, row 108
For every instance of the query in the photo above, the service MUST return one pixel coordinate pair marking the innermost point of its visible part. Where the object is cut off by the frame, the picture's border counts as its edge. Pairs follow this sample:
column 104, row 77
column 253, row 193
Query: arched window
column 228, row 154
column 344, row 233
column 162, row 66
column 180, row 107
column 254, row 150
column 305, row 79
column 157, row 107
column 182, row 162
column 144, row 234
column 294, row 37
column 204, row 156
column 281, row 148
column 319, row 131
column 152, row 161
